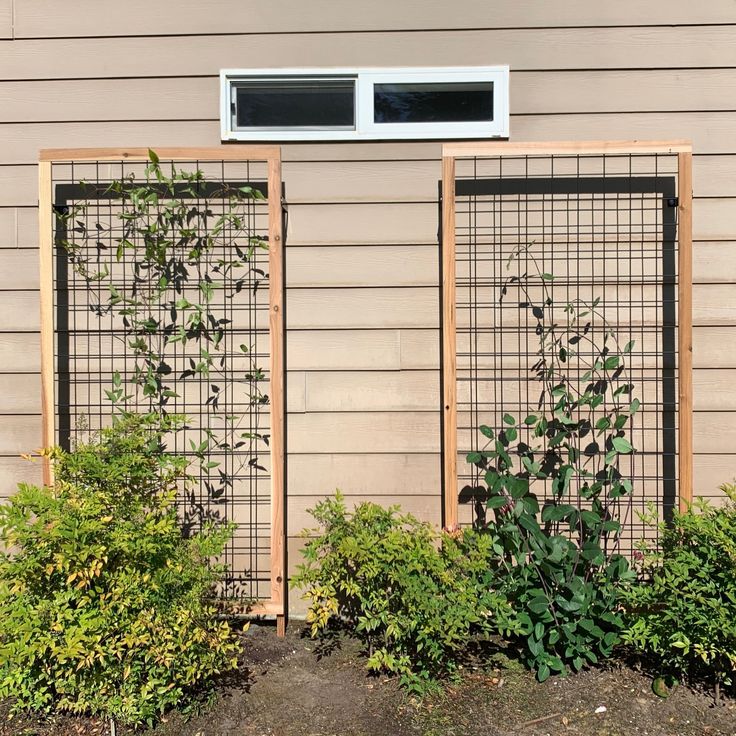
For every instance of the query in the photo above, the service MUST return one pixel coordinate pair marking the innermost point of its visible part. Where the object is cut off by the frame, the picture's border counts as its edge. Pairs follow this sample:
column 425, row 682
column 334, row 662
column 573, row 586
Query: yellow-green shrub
column 685, row 618
column 413, row 595
column 103, row 603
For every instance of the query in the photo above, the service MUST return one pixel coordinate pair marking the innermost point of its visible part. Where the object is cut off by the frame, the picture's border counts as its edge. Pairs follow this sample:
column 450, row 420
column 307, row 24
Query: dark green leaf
column 592, row 552
column 590, row 518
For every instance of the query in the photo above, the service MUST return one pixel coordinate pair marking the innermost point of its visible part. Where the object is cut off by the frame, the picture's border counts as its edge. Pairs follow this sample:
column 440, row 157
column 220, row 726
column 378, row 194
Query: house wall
column 362, row 255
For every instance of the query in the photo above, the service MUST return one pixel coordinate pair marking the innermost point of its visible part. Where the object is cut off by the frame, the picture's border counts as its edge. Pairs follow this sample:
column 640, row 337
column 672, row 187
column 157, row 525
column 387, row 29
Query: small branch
column 541, row 719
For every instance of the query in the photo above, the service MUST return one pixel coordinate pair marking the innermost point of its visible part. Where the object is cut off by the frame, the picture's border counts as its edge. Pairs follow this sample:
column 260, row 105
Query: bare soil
column 292, row 687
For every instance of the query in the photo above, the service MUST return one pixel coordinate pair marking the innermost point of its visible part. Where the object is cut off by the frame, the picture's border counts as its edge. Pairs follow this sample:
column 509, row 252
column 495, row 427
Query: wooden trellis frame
column 450, row 154
column 271, row 156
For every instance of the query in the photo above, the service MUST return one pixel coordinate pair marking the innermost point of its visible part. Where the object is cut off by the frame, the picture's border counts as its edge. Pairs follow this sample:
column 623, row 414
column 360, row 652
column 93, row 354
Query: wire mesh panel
column 583, row 244
column 163, row 296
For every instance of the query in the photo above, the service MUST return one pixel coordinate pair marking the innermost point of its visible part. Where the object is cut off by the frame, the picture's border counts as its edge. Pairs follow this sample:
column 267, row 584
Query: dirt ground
column 288, row 687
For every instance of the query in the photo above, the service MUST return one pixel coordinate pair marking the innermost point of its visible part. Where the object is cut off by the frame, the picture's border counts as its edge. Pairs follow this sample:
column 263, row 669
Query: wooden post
column 46, row 261
column 685, row 326
column 276, row 325
column 449, row 345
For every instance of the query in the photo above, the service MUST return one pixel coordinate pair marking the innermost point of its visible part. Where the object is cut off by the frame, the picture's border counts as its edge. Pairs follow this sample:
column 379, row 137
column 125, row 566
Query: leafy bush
column 563, row 588
column 412, row 595
column 558, row 563
column 686, row 616
column 103, row 604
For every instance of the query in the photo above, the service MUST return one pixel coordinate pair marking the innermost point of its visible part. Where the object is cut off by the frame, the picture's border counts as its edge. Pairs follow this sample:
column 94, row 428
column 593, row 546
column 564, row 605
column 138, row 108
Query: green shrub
column 103, row 604
column 684, row 616
column 554, row 563
column 558, row 561
column 564, row 588
column 413, row 595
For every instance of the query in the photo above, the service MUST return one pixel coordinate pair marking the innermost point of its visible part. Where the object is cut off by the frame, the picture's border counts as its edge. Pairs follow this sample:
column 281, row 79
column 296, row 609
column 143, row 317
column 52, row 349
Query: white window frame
column 365, row 127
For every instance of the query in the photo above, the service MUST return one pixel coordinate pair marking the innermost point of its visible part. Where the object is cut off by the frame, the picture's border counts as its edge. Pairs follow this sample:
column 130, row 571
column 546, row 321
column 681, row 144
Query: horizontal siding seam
column 375, row 31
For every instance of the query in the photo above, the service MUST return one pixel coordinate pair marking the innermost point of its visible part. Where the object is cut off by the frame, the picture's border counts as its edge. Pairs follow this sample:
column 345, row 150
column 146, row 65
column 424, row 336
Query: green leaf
column 547, row 277
column 550, row 512
column 543, row 673
column 530, row 504
column 620, row 421
column 530, row 524
column 153, row 156
column 473, row 458
column 603, row 423
column 590, row 518
column 516, row 486
column 535, row 647
column 561, row 483
column 660, row 687
column 629, row 346
column 592, row 552
column 486, row 431
column 532, row 467
column 508, row 419
column 531, row 419
column 621, row 445
column 526, row 623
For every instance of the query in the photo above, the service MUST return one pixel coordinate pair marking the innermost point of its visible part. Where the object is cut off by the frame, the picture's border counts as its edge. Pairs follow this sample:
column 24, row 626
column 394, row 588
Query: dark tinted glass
column 295, row 104
column 433, row 102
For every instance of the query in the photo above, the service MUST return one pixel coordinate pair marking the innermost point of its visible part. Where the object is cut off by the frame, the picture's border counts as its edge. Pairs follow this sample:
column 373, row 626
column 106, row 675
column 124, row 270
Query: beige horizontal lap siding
column 362, row 261
column 711, row 132
column 6, row 19
column 644, row 47
column 402, row 180
column 532, row 92
column 140, row 18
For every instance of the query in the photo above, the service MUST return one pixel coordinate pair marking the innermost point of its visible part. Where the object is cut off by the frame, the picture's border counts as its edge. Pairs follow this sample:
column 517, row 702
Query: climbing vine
column 554, row 482
column 185, row 249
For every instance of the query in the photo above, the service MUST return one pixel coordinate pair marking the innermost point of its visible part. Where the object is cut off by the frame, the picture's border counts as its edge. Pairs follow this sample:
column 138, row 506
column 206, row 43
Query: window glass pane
column 433, row 102
column 284, row 104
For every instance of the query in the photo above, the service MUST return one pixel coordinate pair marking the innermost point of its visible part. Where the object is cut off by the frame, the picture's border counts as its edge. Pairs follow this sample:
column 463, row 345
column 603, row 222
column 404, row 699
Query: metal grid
column 93, row 341
column 605, row 227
